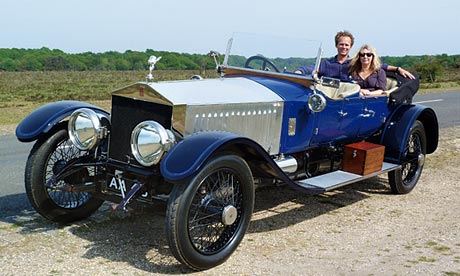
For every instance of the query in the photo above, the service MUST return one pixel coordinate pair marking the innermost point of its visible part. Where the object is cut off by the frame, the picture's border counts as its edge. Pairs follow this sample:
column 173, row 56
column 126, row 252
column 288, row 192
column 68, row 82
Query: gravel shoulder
column 360, row 229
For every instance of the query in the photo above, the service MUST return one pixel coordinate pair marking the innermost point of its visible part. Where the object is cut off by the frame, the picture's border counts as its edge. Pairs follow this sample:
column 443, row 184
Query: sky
column 393, row 27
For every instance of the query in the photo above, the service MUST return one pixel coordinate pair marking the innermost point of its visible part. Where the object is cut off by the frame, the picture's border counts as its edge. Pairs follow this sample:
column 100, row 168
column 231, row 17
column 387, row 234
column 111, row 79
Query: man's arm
column 304, row 70
column 399, row 70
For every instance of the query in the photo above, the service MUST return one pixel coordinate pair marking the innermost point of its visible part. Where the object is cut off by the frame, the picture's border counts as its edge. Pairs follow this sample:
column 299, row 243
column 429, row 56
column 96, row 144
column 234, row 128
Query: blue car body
column 202, row 145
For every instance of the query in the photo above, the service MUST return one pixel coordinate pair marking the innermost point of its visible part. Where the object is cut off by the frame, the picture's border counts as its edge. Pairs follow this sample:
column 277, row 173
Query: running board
column 326, row 182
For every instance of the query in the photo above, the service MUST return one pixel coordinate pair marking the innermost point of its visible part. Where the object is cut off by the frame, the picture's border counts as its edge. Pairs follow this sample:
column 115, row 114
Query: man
column 338, row 66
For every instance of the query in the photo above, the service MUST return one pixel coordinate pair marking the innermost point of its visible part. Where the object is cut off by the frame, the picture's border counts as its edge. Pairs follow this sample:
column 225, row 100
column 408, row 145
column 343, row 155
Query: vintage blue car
column 203, row 145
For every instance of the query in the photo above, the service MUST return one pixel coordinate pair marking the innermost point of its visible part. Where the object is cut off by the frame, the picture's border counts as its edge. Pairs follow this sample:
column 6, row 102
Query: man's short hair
column 344, row 33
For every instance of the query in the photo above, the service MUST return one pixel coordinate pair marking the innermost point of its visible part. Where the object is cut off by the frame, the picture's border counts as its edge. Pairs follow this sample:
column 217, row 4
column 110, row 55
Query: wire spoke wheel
column 208, row 217
column 218, row 192
column 57, row 201
column 412, row 152
column 403, row 181
column 64, row 152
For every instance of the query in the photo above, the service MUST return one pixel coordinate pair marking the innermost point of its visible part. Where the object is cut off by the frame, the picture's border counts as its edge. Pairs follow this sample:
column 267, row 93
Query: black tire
column 208, row 217
column 51, row 153
column 403, row 181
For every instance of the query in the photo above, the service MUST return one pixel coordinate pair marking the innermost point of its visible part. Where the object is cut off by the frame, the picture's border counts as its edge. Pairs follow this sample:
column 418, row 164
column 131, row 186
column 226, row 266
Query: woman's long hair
column 355, row 63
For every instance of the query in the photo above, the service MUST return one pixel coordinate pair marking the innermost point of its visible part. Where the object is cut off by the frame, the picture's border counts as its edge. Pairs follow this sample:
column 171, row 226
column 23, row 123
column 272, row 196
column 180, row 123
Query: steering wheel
column 266, row 64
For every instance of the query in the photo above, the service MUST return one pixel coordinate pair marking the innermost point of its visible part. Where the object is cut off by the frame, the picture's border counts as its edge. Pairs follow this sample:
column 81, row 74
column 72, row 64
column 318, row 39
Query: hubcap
column 58, row 166
column 229, row 215
column 421, row 160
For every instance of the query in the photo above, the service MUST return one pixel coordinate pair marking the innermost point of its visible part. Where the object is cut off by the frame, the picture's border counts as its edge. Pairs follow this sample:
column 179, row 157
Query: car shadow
column 139, row 238
column 280, row 207
column 14, row 208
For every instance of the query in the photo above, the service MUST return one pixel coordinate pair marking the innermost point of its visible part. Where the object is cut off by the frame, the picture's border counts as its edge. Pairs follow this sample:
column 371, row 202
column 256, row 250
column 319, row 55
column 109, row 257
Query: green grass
column 423, row 259
column 427, row 259
column 23, row 92
column 439, row 86
column 451, row 273
column 20, row 87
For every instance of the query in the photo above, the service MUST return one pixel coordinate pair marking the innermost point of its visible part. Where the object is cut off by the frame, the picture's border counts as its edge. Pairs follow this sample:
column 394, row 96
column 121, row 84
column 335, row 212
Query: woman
column 365, row 69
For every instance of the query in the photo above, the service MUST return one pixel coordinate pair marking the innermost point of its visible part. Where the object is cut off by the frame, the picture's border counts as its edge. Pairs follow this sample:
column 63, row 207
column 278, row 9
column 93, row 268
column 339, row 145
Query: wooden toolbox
column 363, row 158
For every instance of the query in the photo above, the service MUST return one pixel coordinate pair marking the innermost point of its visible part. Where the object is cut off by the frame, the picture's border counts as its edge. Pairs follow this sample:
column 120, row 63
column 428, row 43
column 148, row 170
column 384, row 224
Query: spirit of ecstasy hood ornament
column 152, row 61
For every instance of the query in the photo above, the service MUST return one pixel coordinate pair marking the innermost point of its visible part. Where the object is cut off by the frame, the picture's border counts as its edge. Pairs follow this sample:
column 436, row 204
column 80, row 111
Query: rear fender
column 187, row 157
column 43, row 119
column 398, row 127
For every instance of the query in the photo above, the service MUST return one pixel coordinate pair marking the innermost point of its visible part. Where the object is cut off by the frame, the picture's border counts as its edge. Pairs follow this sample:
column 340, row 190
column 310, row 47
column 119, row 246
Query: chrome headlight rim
column 153, row 131
column 316, row 103
column 73, row 128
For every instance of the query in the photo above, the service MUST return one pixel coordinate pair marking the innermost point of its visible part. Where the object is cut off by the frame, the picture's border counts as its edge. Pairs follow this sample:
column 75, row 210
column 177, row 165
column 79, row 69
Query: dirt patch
column 360, row 229
column 7, row 129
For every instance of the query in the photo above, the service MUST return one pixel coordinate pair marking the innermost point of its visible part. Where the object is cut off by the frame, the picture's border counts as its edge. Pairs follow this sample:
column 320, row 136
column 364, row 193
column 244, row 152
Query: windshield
column 271, row 53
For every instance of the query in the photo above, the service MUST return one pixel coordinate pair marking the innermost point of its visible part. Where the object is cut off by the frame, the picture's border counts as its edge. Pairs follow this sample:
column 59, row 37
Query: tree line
column 45, row 59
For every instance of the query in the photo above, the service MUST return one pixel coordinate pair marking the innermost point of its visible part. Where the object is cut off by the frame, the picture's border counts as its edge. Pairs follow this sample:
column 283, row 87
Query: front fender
column 187, row 157
column 398, row 128
column 46, row 117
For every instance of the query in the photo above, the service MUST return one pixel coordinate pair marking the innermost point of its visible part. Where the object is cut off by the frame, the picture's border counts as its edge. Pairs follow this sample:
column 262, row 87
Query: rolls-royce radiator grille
column 126, row 114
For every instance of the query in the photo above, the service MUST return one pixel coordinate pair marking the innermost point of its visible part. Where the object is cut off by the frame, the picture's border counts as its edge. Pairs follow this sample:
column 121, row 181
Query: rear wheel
column 208, row 217
column 47, row 157
column 403, row 180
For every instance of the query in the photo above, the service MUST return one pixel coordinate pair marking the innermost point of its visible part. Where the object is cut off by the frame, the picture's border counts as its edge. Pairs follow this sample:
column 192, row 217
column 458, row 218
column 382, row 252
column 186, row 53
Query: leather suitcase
column 363, row 158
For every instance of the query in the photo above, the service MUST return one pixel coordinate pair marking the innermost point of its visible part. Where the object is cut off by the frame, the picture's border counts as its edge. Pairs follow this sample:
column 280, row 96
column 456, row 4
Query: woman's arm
column 365, row 92
column 379, row 83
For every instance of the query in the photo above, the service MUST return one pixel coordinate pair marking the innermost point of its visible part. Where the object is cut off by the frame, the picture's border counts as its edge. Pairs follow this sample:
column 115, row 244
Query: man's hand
column 405, row 73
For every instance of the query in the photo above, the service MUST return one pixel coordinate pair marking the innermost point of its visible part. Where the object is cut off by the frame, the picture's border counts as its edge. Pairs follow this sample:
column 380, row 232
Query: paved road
column 445, row 104
column 13, row 154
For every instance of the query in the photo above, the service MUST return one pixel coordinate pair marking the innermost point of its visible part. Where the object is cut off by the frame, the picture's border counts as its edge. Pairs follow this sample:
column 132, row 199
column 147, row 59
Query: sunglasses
column 366, row 54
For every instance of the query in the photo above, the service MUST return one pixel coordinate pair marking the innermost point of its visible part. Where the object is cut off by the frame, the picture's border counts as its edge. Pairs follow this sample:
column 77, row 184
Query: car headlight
column 84, row 128
column 149, row 141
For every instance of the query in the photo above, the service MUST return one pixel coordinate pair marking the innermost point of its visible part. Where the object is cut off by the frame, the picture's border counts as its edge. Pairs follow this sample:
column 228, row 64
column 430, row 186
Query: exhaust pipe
column 287, row 164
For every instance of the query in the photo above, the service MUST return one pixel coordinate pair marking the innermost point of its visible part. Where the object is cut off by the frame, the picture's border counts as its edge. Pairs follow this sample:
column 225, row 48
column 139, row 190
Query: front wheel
column 47, row 157
column 403, row 180
column 208, row 217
